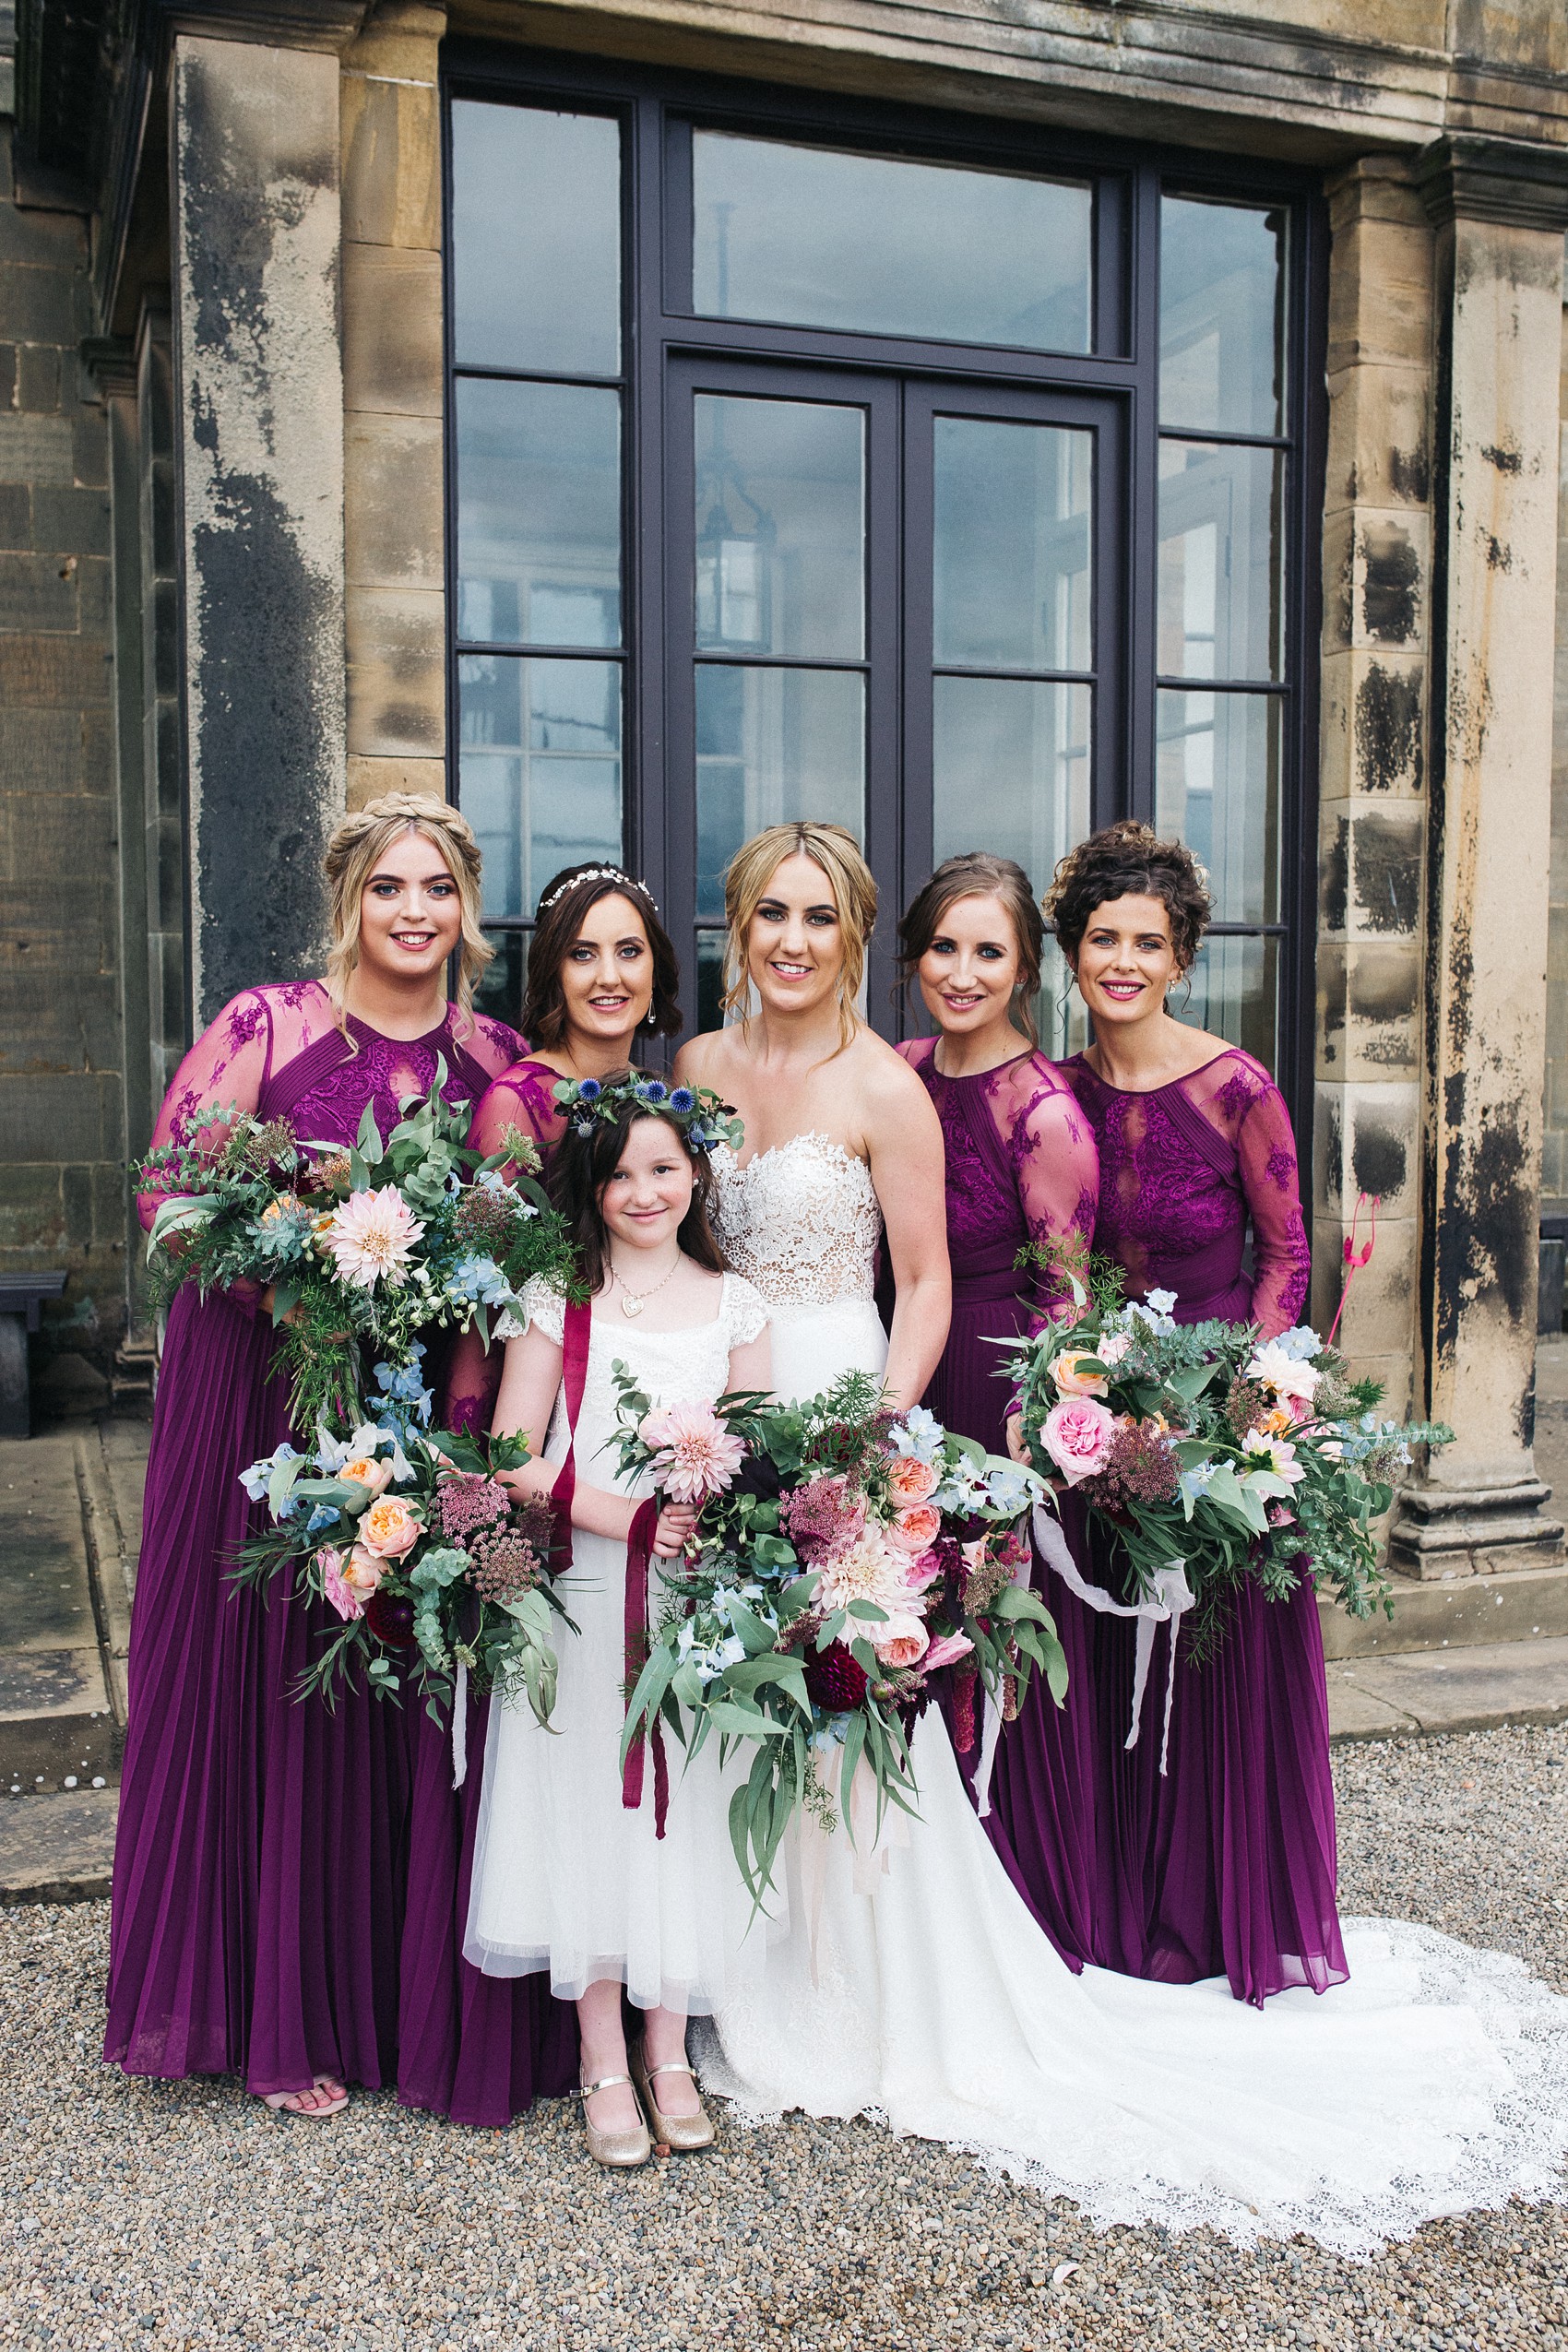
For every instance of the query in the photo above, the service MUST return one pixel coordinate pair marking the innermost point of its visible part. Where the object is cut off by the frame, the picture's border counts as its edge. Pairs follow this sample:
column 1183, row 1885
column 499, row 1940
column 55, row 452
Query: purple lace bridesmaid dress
column 477, row 2049
column 1226, row 1865
column 260, row 1865
column 1021, row 1166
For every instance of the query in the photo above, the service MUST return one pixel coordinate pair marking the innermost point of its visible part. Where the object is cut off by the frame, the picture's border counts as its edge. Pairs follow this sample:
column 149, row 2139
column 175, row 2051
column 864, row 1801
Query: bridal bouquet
column 842, row 1556
column 434, row 1568
column 363, row 1248
column 1207, row 1445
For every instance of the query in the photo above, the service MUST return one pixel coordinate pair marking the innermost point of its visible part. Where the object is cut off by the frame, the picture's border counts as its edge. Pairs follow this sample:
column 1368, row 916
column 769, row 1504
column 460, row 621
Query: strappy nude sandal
column 324, row 2097
column 684, row 2133
column 619, row 2150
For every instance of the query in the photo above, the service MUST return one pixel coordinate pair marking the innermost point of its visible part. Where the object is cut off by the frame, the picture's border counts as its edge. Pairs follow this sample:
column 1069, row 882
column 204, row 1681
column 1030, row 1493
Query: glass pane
column 498, row 991
column 1010, row 770
column 1234, row 992
column 1059, row 1016
column 1221, row 317
column 814, row 237
column 710, row 981
column 773, row 744
column 535, row 239
column 1221, row 546
column 540, row 769
column 1217, row 786
column 1012, row 553
column 539, row 514
column 780, row 528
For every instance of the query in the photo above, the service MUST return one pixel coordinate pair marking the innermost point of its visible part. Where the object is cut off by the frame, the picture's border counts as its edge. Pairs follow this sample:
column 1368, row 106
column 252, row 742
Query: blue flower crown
column 702, row 1120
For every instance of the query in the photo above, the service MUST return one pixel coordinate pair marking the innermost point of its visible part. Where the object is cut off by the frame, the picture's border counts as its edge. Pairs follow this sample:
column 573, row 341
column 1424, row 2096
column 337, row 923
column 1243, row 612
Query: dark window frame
column 653, row 106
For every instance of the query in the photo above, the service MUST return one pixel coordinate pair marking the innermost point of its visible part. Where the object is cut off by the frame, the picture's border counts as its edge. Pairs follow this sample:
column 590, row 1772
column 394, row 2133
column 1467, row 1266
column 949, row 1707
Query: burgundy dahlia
column 834, row 1682
column 390, row 1619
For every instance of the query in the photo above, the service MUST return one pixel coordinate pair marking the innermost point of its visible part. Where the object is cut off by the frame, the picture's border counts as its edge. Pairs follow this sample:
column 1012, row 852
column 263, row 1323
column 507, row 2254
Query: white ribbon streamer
column 461, row 1727
column 1166, row 1605
column 870, row 1848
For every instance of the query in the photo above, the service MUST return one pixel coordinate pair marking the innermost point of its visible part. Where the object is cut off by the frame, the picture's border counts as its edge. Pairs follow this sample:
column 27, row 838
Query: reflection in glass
column 1010, row 770
column 1234, row 992
column 539, row 770
column 1217, row 786
column 878, row 246
column 1012, row 545
column 498, row 992
column 1221, row 317
column 539, row 514
column 709, row 1012
column 773, row 744
column 535, row 239
column 1221, row 550
column 1059, row 1016
column 780, row 528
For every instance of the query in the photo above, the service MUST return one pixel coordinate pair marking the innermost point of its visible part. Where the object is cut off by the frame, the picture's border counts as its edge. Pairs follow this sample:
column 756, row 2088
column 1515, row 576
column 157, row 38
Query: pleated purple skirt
column 1224, row 1866
column 260, row 1865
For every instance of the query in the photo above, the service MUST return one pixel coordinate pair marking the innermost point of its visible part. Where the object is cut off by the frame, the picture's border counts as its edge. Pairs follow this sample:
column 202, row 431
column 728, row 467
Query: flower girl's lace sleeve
column 543, row 1308
column 746, row 1313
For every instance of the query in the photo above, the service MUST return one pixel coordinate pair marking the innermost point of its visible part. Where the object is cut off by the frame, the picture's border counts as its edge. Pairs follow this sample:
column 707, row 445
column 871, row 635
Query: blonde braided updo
column 356, row 848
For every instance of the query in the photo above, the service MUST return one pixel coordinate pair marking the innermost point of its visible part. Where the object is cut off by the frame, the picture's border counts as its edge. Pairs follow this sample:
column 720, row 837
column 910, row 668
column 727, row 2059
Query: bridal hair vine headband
column 596, row 873
column 702, row 1118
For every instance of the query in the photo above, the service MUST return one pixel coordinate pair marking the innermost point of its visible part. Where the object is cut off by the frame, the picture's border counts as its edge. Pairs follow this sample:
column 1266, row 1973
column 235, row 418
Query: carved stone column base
column 1442, row 1532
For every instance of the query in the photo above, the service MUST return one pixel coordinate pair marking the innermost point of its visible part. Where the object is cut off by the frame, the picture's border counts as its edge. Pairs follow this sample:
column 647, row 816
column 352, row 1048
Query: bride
column 911, row 1982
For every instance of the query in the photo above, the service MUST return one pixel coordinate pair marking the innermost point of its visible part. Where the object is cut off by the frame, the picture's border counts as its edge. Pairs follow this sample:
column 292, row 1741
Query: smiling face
column 606, row 974
column 970, row 970
column 644, row 1203
column 1125, row 961
column 795, row 939
column 410, row 913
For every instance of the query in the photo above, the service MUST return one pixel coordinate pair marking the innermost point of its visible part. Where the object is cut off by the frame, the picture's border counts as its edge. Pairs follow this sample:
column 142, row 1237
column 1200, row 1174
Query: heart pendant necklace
column 633, row 1302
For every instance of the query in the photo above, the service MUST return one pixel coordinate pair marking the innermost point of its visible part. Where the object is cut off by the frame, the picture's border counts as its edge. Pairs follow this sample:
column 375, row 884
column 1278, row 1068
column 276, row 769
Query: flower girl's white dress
column 565, row 1878
column 921, row 1990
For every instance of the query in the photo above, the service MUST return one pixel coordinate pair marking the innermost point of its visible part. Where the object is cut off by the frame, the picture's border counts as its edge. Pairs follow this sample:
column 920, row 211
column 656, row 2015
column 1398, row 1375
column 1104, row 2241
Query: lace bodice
column 674, row 1367
column 1183, row 1170
column 800, row 1221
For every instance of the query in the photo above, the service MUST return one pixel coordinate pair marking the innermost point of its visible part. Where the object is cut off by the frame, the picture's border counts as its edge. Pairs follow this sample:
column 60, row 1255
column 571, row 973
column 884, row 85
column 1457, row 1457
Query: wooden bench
column 20, row 1296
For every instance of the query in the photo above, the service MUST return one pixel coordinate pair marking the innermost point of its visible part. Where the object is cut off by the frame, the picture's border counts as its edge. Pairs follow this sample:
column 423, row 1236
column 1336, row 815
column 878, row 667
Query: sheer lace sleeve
column 225, row 1069
column 746, row 1313
column 1282, row 1260
column 1051, row 1147
column 544, row 1306
column 492, row 1045
column 522, row 1097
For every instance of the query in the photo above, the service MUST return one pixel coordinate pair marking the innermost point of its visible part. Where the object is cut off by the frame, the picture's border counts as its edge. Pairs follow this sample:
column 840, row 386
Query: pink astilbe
column 823, row 1518
column 467, row 1501
column 695, row 1455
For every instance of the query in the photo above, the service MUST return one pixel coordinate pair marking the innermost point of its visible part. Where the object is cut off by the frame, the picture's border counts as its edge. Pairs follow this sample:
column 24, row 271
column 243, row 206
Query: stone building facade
column 232, row 450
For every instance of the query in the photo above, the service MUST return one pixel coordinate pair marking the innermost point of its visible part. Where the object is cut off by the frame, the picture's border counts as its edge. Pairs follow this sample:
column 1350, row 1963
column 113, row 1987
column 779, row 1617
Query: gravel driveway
column 182, row 2214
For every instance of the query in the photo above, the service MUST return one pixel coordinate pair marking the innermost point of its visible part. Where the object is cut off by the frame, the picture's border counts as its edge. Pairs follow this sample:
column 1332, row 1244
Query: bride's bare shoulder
column 702, row 1059
column 885, row 1083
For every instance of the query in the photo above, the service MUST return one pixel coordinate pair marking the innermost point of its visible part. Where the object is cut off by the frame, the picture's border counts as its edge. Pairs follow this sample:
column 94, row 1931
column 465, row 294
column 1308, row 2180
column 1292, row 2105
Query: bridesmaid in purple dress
column 260, row 1869
column 1021, row 1168
column 1226, row 1864
column 602, row 978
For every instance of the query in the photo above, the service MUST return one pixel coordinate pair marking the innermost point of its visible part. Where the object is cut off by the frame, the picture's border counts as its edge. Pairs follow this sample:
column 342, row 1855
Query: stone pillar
column 1500, row 212
column 259, row 445
column 394, row 486
column 1373, row 770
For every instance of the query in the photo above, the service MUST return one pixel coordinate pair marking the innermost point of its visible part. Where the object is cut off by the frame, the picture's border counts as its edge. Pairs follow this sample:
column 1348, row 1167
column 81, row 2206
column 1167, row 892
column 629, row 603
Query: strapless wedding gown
column 917, row 1988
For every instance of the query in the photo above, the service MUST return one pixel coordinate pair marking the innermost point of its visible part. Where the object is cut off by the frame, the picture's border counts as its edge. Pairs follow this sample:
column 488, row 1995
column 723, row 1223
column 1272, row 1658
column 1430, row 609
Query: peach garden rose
column 389, row 1528
column 917, row 1529
column 910, row 1480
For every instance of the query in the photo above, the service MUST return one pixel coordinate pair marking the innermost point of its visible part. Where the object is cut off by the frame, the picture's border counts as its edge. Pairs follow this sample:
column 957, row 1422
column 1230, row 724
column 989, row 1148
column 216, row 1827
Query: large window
column 834, row 462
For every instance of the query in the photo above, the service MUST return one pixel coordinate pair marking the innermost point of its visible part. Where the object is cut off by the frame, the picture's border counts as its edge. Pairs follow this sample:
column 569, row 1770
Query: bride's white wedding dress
column 1434, row 2081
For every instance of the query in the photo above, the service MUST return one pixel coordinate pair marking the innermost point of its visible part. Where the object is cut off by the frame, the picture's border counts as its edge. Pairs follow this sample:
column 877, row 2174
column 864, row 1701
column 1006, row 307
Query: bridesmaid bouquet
column 363, row 1248
column 1205, row 1445
column 436, row 1571
column 843, row 1555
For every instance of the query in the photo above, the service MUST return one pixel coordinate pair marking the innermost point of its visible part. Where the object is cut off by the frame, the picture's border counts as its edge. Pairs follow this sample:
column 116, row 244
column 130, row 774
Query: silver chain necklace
column 633, row 1302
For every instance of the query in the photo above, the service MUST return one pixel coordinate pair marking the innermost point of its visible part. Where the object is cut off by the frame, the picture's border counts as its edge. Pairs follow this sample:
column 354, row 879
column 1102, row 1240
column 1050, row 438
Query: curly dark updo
column 1128, row 861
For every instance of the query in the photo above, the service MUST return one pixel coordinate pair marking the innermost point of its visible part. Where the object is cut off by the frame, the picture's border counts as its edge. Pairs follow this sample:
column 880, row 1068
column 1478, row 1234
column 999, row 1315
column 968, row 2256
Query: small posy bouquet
column 842, row 1556
column 436, row 1569
column 1205, row 1445
column 361, row 1247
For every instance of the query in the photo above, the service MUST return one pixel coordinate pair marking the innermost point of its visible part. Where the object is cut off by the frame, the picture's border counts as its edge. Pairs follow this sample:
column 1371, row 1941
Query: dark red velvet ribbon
column 574, row 1338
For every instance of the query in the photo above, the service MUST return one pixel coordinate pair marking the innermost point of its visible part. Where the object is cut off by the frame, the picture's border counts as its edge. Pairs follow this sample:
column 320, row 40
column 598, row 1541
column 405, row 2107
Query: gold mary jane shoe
column 684, row 2133
column 620, row 2150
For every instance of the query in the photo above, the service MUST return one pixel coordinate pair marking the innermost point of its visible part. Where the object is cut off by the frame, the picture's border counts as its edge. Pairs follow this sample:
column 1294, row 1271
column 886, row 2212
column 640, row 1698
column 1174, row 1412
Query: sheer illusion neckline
column 425, row 1037
column 1143, row 1094
column 974, row 1078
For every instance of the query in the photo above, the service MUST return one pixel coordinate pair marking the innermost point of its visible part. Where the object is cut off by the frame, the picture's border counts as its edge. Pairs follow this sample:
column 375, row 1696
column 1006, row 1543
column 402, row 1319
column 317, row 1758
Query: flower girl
column 578, row 1869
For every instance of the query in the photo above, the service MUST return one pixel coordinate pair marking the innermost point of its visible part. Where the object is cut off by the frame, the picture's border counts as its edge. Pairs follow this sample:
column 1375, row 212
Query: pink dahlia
column 371, row 1238
column 696, row 1455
